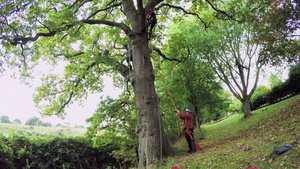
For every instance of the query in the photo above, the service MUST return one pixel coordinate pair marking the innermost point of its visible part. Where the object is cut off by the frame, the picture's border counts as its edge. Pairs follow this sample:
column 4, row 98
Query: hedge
column 287, row 89
column 25, row 151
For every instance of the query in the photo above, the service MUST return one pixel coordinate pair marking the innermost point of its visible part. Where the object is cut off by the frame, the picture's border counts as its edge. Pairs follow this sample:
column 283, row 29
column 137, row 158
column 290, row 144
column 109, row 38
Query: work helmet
column 188, row 110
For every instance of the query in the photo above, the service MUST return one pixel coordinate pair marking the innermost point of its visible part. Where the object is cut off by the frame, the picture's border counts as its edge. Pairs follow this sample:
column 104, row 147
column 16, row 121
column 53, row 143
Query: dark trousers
column 189, row 135
column 151, row 23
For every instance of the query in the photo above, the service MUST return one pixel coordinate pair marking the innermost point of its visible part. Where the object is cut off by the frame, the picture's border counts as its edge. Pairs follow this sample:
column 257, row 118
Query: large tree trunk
column 246, row 104
column 152, row 141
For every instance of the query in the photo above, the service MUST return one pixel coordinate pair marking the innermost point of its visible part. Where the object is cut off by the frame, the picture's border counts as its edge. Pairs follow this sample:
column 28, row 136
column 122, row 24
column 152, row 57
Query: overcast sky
column 16, row 101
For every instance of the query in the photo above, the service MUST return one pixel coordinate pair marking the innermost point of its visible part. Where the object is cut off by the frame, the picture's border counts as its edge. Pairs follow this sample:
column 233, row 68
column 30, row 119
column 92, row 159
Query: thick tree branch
column 129, row 9
column 25, row 40
column 152, row 4
column 255, row 83
column 184, row 11
column 222, row 12
column 104, row 9
column 140, row 5
column 222, row 76
column 122, row 69
column 165, row 57
column 68, row 56
column 80, row 5
column 124, row 27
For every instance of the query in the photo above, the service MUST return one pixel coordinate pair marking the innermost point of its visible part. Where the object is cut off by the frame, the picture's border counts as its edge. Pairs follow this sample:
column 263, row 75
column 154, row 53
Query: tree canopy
column 4, row 119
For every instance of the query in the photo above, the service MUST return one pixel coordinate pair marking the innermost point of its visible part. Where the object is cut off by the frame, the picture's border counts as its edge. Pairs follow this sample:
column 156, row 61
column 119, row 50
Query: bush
column 25, row 151
column 6, row 154
column 289, row 88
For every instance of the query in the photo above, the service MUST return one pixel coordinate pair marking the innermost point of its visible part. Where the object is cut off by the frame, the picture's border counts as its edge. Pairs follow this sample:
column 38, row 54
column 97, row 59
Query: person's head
column 125, row 46
column 188, row 111
column 150, row 10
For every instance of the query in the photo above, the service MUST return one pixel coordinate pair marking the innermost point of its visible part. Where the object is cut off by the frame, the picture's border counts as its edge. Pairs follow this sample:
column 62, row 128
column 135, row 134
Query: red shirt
column 188, row 119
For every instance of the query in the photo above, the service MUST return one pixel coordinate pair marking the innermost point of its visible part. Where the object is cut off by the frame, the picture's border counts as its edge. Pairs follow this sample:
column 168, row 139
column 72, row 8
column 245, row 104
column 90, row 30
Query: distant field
column 6, row 129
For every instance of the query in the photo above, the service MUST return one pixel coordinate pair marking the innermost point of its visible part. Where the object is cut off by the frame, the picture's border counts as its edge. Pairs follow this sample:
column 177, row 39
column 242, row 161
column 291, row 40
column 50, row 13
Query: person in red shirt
column 189, row 131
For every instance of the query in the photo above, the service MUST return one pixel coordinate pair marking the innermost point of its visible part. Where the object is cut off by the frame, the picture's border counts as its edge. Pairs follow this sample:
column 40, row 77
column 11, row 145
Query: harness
column 189, row 132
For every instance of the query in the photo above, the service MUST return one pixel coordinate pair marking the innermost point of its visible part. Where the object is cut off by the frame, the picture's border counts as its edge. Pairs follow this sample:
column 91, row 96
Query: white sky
column 16, row 102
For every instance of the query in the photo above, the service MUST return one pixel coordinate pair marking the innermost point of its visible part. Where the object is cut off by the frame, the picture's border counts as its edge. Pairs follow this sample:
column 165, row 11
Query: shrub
column 284, row 90
column 25, row 151
column 6, row 154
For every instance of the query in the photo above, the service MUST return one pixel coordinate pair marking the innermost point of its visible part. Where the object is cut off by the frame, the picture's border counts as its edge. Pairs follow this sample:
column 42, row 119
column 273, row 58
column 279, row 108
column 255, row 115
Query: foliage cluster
column 289, row 88
column 115, row 121
column 192, row 85
column 25, row 151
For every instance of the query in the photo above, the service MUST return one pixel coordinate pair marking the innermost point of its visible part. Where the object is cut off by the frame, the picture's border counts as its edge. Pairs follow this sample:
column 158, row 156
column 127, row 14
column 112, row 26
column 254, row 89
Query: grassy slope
column 259, row 133
column 6, row 129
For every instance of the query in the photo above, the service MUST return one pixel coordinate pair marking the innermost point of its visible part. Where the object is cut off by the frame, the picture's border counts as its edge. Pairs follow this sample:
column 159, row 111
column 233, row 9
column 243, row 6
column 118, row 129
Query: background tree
column 4, row 119
column 59, row 125
column 46, row 124
column 17, row 121
column 33, row 121
column 193, row 85
column 229, row 51
column 238, row 49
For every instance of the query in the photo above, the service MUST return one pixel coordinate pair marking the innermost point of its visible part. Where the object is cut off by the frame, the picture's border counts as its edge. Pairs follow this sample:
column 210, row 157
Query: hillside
column 243, row 143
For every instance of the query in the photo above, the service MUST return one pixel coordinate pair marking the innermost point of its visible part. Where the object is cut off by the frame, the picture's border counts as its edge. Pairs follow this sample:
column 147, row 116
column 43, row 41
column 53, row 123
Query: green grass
column 6, row 129
column 259, row 133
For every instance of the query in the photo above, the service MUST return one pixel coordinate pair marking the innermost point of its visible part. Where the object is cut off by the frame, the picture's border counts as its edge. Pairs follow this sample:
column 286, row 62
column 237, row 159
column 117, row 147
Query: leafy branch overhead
column 57, row 26
column 53, row 28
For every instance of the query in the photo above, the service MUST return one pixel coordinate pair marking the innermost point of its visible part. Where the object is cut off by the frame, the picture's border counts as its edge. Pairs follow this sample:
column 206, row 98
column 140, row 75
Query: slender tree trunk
column 196, row 117
column 246, row 104
column 152, row 141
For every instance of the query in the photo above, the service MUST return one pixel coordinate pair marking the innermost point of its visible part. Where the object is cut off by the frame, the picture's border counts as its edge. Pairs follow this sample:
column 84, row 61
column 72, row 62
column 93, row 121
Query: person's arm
column 181, row 115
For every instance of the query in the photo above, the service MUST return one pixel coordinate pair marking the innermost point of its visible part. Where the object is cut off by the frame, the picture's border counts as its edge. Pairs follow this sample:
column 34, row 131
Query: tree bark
column 152, row 140
column 246, row 104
